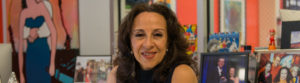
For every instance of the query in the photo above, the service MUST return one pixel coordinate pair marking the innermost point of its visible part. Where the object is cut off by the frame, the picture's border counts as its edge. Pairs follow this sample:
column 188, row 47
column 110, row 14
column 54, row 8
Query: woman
column 40, row 56
column 266, row 77
column 294, row 71
column 233, row 78
column 284, row 76
column 152, row 48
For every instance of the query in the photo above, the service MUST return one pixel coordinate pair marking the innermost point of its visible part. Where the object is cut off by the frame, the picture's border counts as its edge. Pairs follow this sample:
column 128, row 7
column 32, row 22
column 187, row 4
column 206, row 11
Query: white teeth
column 147, row 54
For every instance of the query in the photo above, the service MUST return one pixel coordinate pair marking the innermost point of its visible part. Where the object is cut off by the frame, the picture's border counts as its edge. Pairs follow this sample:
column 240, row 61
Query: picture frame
column 95, row 73
column 289, row 36
column 291, row 4
column 126, row 5
column 235, row 64
column 232, row 17
column 272, row 63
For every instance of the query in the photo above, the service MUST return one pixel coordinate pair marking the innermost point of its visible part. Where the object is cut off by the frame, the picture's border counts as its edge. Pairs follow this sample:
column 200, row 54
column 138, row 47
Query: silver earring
column 131, row 52
column 167, row 50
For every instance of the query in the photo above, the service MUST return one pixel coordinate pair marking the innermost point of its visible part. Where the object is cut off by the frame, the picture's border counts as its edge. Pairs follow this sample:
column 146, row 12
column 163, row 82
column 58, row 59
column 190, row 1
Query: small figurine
column 272, row 40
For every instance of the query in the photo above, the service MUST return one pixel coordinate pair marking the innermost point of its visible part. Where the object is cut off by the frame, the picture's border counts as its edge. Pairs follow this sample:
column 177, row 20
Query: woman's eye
column 139, row 35
column 158, row 35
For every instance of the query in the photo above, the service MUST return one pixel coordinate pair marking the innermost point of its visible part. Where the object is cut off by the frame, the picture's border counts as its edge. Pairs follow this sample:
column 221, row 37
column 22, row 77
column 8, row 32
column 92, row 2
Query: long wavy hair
column 288, row 77
column 177, row 46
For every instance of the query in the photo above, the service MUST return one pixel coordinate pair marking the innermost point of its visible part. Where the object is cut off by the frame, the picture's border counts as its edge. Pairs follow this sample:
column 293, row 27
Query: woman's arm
column 112, row 75
column 20, row 47
column 184, row 74
column 53, row 37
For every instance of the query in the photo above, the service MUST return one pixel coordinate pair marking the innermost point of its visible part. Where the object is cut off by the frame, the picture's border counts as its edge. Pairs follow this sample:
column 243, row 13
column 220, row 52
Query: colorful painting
column 224, row 42
column 233, row 17
column 92, row 69
column 295, row 39
column 274, row 67
column 191, row 36
column 36, row 22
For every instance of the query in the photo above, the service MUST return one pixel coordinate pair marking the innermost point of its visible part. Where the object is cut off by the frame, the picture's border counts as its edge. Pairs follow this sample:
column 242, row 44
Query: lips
column 148, row 55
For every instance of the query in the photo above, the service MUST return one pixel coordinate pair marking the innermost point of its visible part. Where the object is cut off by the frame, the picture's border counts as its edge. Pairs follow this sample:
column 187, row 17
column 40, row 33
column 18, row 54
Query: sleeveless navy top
column 35, row 23
column 146, row 76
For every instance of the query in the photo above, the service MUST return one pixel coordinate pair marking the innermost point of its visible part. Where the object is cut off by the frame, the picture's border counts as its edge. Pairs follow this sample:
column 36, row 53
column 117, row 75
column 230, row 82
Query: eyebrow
column 158, row 29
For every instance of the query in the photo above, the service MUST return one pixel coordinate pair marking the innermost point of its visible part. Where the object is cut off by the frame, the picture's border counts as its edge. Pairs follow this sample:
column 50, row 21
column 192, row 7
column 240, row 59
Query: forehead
column 148, row 20
column 221, row 59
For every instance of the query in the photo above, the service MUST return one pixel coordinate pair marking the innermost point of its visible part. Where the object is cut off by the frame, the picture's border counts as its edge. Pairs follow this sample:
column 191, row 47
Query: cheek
column 134, row 45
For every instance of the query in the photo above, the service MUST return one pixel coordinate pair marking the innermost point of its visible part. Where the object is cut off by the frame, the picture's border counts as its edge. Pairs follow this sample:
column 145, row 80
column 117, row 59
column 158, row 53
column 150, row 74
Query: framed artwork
column 290, row 34
column 224, row 67
column 277, row 65
column 224, row 42
column 291, row 4
column 232, row 17
column 92, row 69
column 64, row 17
column 126, row 5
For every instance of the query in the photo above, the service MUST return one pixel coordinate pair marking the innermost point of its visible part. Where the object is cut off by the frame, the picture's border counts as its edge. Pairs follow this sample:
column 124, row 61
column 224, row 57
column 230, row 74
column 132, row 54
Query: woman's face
column 283, row 74
column 149, row 39
column 268, row 67
column 231, row 72
column 294, row 71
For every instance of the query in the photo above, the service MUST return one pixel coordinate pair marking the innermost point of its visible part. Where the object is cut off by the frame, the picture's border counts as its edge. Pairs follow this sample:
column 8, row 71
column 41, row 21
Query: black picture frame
column 238, row 60
column 287, row 28
column 102, row 65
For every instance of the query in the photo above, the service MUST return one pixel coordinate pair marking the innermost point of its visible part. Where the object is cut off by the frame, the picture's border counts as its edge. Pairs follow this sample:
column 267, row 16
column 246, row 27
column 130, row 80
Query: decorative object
column 290, row 33
column 224, row 67
column 232, row 15
column 272, row 45
column 12, row 78
column 92, row 69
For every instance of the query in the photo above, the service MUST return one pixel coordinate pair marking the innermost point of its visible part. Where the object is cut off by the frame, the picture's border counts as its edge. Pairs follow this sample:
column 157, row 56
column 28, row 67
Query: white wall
column 95, row 27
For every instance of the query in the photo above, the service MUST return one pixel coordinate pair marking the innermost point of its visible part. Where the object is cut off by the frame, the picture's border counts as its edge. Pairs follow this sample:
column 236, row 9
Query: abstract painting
column 233, row 17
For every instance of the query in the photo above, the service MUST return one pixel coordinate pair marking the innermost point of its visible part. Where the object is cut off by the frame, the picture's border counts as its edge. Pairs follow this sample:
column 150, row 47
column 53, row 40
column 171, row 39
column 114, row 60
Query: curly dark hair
column 289, row 76
column 177, row 46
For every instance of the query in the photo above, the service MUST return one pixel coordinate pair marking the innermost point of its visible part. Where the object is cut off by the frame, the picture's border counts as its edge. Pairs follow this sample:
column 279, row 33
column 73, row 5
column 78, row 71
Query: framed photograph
column 277, row 65
column 232, row 15
column 92, row 69
column 126, row 5
column 291, row 4
column 224, row 67
column 290, row 34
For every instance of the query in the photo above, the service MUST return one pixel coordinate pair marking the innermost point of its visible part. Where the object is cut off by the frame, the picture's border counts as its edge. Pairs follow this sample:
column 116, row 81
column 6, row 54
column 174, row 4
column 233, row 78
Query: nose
column 148, row 44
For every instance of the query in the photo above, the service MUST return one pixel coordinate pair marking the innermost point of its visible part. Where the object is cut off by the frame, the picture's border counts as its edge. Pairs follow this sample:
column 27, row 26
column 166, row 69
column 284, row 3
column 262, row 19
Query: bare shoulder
column 184, row 74
column 112, row 75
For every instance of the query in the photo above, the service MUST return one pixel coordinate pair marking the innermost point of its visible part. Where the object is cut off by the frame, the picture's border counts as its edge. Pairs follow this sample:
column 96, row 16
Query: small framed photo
column 290, row 34
column 224, row 67
column 277, row 65
column 92, row 69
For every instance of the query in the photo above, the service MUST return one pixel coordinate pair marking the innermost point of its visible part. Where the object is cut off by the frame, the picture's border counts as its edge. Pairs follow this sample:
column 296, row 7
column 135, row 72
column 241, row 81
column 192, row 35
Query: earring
column 167, row 50
column 131, row 52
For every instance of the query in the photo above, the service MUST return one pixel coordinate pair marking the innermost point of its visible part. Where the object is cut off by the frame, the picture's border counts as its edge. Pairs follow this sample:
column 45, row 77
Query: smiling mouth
column 148, row 55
